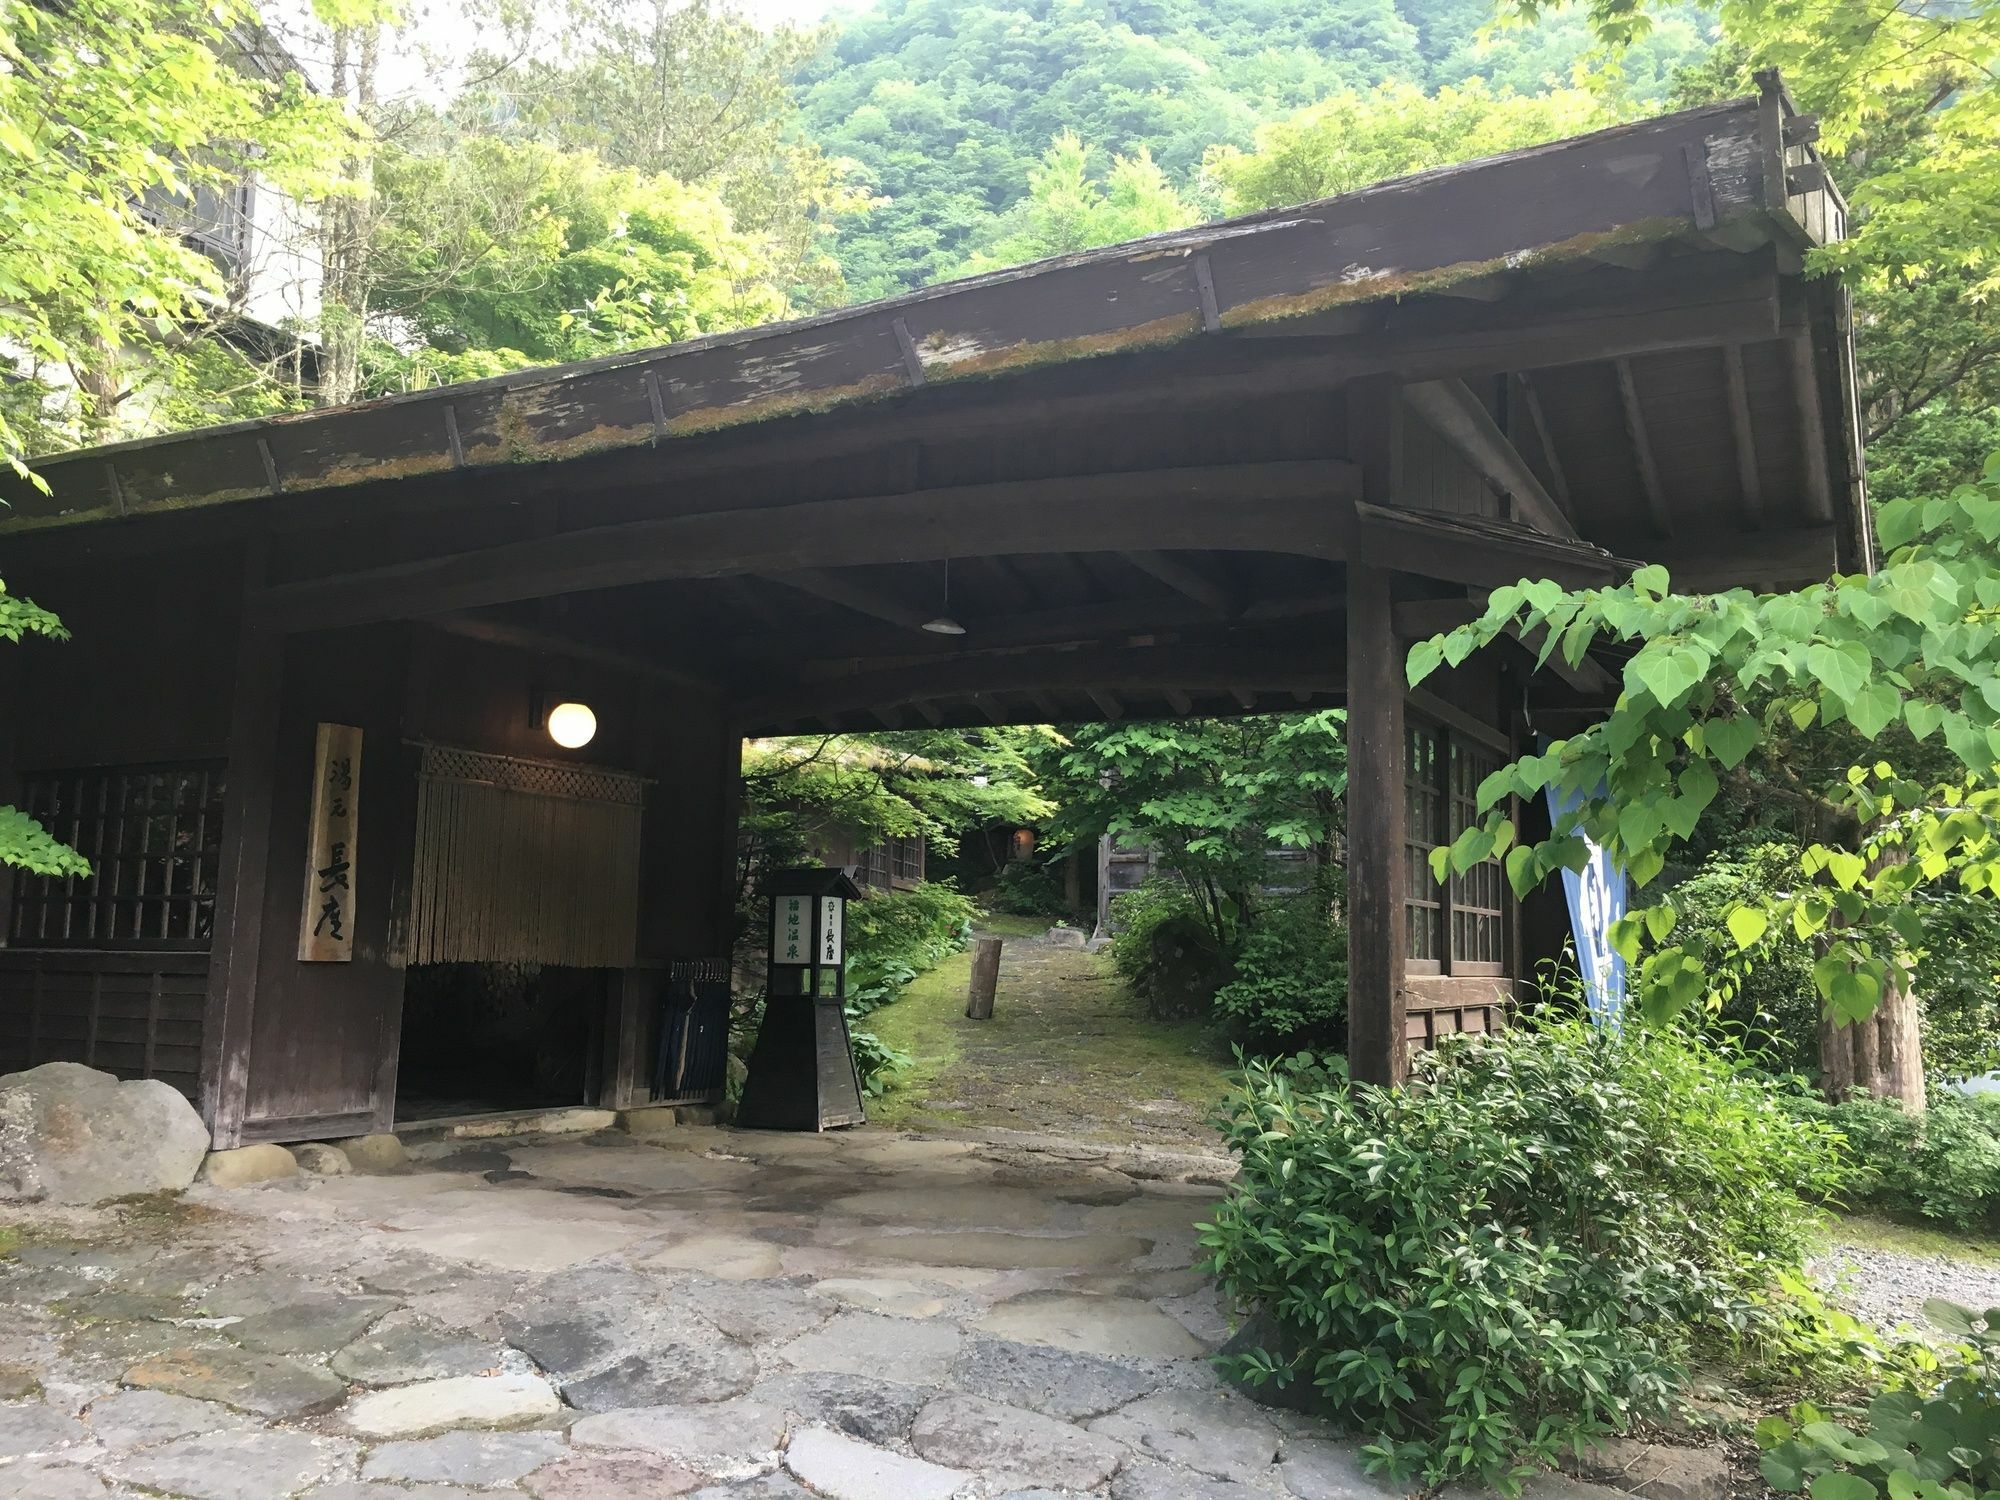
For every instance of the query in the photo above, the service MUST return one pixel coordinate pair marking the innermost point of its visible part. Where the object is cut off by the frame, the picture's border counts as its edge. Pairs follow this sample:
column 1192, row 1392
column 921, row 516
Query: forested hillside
column 945, row 106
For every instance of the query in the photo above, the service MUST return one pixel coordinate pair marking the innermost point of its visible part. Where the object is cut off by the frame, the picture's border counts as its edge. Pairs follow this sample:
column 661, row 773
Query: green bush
column 893, row 936
column 1938, row 1442
column 1943, row 1166
column 1029, row 888
column 876, row 1061
column 1514, row 1251
column 1776, row 1007
column 1288, row 986
column 1164, row 951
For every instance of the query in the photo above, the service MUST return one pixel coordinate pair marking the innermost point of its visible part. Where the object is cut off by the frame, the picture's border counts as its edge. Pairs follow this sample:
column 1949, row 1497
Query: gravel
column 1889, row 1287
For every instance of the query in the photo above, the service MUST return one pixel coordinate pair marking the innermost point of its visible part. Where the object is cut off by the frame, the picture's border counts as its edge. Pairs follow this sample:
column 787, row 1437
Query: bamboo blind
column 521, row 861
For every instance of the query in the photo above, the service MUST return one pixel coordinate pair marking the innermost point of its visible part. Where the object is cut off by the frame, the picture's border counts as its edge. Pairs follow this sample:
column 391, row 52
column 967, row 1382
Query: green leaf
column 1843, row 670
column 1650, row 582
column 1729, row 740
column 1841, row 1486
column 1747, row 924
column 1425, row 658
column 1875, row 708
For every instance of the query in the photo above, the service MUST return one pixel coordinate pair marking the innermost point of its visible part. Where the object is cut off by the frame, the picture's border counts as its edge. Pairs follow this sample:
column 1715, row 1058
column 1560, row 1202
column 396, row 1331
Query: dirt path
column 1069, row 1051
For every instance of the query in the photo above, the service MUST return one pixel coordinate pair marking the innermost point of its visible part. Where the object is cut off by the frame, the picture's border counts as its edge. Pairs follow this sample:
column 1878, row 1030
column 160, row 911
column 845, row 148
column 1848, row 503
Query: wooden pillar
column 1375, row 852
column 246, row 851
column 1376, row 917
column 985, row 979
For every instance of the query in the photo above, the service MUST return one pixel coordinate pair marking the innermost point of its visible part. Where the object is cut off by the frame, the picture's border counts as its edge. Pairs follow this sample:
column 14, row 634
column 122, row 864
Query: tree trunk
column 346, row 228
column 1883, row 1055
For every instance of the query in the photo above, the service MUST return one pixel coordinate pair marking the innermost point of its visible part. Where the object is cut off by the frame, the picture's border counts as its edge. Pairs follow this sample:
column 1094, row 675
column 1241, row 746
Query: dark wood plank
column 1743, row 433
column 1376, row 919
column 1642, row 450
column 1454, row 413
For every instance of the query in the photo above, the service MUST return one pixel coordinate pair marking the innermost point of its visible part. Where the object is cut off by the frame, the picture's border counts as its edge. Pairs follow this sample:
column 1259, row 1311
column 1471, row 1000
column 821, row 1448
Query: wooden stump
column 985, row 975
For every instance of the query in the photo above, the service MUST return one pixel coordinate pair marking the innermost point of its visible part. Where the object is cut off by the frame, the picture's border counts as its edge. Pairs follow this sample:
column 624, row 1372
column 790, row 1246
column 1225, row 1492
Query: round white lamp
column 572, row 725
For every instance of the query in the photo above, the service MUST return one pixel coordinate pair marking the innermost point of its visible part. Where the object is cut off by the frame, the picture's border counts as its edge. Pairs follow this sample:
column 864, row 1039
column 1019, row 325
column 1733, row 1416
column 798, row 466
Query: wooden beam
column 1184, row 578
column 1251, row 666
column 834, row 589
column 1107, row 702
column 1045, row 706
column 1245, row 699
column 1794, row 556
column 1749, row 486
column 1642, row 450
column 1376, row 856
column 1482, row 556
column 1454, row 413
column 1179, row 701
column 1273, row 507
column 1812, row 426
column 547, row 643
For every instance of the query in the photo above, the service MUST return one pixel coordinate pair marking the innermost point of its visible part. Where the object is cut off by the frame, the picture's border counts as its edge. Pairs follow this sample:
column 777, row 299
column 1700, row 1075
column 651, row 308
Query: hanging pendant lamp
column 944, row 624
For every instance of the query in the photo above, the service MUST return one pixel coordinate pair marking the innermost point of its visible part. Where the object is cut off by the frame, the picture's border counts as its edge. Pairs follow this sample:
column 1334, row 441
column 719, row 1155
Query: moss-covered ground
column 1068, row 1051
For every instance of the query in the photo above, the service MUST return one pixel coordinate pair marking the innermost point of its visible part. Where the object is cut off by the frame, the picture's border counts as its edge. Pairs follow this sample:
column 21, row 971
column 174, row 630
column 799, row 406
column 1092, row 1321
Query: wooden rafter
column 1184, row 578
column 835, row 589
column 1744, row 436
column 1458, row 416
column 1642, row 450
column 1531, row 402
column 547, row 643
column 1106, row 701
column 1812, row 427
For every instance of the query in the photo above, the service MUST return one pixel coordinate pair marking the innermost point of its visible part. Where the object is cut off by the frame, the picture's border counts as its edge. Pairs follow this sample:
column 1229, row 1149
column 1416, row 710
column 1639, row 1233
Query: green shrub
column 1029, row 888
column 1515, row 1250
column 1938, row 1442
column 1959, row 982
column 877, row 1062
column 1288, row 986
column 1164, row 951
column 1776, row 1007
column 894, row 936
column 1943, row 1166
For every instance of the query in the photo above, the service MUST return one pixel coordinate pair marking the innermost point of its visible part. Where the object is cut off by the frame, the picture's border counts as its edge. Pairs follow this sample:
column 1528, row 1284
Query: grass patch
column 918, row 1022
column 1002, row 924
column 1872, row 1232
column 10, row 1240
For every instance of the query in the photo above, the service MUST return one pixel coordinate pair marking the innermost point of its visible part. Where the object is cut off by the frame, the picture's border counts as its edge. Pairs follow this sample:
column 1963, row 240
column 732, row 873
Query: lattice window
column 1423, row 831
column 908, row 858
column 1459, row 927
column 153, row 836
column 1478, row 901
column 872, row 869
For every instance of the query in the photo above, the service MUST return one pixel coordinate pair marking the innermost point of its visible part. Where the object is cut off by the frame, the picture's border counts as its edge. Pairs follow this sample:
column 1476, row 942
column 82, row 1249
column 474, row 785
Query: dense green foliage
column 946, row 105
column 1286, row 986
column 1517, row 1249
column 1936, row 1441
column 1943, row 1165
column 1163, row 948
column 893, row 936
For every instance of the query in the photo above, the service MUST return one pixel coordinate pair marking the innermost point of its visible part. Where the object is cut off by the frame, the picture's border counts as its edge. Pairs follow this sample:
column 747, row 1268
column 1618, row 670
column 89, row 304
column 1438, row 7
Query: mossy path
column 1069, row 1051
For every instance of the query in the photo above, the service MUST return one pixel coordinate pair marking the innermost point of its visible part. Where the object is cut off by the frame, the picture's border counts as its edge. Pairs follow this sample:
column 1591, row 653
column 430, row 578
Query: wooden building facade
column 1232, row 469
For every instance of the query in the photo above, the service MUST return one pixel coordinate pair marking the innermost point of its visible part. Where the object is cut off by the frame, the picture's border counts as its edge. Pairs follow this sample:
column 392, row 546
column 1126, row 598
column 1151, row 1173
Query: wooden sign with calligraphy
column 326, row 926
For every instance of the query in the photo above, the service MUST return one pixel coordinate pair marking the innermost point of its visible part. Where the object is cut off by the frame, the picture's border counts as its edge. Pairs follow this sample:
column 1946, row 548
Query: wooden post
column 246, row 850
column 985, row 977
column 1376, row 917
column 1375, row 851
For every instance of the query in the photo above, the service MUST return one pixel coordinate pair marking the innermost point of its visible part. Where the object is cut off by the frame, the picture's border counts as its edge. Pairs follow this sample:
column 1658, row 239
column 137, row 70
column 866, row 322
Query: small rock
column 610, row 1476
column 251, row 1465
column 841, row 1468
column 246, row 1165
column 656, row 1119
column 722, row 1440
column 858, row 1343
column 1010, row 1446
column 1066, row 937
column 267, row 1385
column 697, row 1114
column 71, row 1134
column 666, row 1376
column 30, row 1429
column 876, row 1411
column 317, row 1159
column 381, row 1152
column 1216, row 1433
column 1057, row 1382
column 1320, row 1469
column 1656, row 1472
column 133, row 1419
column 457, row 1401
column 479, row 1459
column 410, row 1352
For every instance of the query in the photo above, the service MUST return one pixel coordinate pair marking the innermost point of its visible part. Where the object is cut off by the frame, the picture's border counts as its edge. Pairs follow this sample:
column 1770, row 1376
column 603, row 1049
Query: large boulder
column 70, row 1134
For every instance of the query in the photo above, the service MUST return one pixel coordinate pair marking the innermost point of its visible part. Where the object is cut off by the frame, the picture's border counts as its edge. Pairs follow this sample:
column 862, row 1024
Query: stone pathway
column 722, row 1314
column 1888, row 1287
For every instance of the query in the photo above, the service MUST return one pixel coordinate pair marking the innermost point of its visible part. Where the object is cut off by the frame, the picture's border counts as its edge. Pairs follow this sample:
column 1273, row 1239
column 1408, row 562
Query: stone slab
column 843, row 1468
column 1155, row 1481
column 133, row 1419
column 611, row 1476
column 860, row 1343
column 671, row 1373
column 1008, row 1446
column 39, row 1479
column 29, row 1429
column 1322, row 1469
column 884, row 1294
column 1090, row 1324
column 311, row 1325
column 456, row 1401
column 720, row 1440
column 268, row 1385
column 256, row 1464
column 1654, row 1470
column 1058, row 1382
column 993, row 1249
column 410, row 1352
column 1212, row 1432
column 756, row 1313
column 876, row 1411
column 732, row 1257
column 479, row 1459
